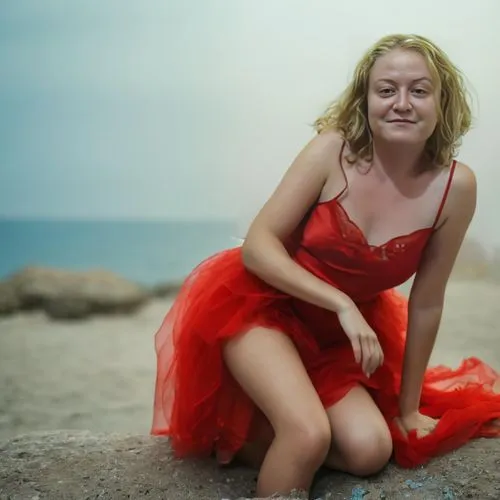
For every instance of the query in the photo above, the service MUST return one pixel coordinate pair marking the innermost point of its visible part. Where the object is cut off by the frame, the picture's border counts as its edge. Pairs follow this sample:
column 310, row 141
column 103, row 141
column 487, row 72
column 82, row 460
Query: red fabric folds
column 202, row 409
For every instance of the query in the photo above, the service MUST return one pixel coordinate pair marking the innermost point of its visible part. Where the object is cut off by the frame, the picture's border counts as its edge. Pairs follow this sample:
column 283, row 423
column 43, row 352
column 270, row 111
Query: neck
column 398, row 160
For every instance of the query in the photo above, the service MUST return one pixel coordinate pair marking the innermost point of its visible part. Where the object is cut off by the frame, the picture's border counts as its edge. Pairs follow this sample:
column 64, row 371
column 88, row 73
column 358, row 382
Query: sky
column 185, row 109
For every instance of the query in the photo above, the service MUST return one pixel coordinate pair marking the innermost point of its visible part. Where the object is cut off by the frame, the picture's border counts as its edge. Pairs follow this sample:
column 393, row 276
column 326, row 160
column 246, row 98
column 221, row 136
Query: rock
column 81, row 465
column 69, row 307
column 166, row 289
column 9, row 300
column 72, row 294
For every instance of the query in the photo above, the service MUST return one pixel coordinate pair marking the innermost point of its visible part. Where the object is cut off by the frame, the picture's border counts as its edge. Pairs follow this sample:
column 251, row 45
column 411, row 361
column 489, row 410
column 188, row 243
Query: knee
column 367, row 453
column 309, row 440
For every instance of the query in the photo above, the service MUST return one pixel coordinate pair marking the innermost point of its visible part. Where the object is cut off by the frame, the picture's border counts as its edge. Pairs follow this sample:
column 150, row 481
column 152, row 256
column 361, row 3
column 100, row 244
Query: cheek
column 376, row 110
column 430, row 109
column 431, row 114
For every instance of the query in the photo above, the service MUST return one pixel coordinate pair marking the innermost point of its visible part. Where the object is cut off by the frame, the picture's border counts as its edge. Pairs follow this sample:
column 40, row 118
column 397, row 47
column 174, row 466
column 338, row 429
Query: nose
column 402, row 102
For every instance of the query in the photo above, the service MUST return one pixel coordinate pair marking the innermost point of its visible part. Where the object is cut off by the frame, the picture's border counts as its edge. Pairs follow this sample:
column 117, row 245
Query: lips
column 401, row 121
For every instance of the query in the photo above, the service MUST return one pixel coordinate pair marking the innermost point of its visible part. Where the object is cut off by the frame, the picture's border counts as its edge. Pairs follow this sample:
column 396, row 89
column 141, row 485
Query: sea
column 148, row 252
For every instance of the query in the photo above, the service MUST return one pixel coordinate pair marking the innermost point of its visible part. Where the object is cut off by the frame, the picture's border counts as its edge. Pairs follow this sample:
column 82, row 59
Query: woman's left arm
column 426, row 300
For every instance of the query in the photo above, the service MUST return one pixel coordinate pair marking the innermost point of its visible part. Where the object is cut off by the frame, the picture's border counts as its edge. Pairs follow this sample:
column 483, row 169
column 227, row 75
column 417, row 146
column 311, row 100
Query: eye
column 385, row 92
column 420, row 91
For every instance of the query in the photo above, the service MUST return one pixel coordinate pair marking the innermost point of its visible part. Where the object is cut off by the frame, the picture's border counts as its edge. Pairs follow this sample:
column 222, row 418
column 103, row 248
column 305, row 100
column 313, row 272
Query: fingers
column 364, row 341
column 376, row 359
column 367, row 352
column 380, row 355
column 428, row 426
column 356, row 347
column 424, row 432
column 422, row 424
column 371, row 356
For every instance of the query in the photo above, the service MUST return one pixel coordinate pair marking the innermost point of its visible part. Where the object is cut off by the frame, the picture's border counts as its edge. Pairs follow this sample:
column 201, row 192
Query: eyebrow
column 416, row 80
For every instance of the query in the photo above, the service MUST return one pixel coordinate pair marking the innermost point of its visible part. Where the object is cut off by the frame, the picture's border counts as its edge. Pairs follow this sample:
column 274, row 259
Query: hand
column 423, row 424
column 364, row 340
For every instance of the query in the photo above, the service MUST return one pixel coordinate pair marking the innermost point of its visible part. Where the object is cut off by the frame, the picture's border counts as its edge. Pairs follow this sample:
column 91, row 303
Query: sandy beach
column 98, row 374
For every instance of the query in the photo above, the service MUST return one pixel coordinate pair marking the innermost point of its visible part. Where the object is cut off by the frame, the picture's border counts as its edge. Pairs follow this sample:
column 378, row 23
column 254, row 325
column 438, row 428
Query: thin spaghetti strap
column 341, row 163
column 446, row 191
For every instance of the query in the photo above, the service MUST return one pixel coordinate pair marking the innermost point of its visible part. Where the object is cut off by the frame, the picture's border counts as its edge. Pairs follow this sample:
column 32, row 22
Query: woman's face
column 403, row 98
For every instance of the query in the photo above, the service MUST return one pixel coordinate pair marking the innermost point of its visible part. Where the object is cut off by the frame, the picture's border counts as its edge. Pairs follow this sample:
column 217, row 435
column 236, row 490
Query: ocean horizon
column 147, row 251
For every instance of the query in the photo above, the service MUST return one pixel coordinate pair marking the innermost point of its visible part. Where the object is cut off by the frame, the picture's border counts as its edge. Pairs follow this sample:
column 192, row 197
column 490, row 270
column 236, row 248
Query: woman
column 294, row 351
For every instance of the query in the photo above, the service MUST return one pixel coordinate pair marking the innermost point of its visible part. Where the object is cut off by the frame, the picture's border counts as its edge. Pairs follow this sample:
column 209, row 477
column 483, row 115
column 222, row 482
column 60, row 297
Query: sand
column 98, row 374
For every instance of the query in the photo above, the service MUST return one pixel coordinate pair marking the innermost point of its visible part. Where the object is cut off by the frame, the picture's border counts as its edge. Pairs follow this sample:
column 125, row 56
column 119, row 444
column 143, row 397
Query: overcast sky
column 189, row 109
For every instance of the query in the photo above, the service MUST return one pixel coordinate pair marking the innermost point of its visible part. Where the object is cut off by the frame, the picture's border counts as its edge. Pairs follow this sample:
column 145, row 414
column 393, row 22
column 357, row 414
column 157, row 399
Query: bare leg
column 253, row 452
column 359, row 453
column 361, row 443
column 361, row 440
column 267, row 366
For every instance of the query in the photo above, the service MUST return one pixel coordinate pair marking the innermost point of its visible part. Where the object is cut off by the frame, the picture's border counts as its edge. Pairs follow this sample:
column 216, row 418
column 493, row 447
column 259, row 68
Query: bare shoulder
column 330, row 138
column 320, row 158
column 464, row 179
column 322, row 148
column 299, row 188
column 461, row 201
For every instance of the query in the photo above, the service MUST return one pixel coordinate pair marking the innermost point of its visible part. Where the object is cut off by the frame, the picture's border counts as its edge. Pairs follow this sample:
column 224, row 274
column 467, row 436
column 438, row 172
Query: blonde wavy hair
column 348, row 114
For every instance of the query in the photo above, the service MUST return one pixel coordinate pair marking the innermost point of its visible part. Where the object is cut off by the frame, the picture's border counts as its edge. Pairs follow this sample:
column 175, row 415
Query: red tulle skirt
column 203, row 410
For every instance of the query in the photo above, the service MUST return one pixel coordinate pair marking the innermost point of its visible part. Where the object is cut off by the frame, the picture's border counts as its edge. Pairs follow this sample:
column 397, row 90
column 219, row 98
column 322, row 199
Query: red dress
column 203, row 410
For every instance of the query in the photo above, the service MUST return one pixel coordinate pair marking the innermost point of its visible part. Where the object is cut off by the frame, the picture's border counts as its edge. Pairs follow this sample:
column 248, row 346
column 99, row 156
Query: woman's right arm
column 265, row 255
column 264, row 252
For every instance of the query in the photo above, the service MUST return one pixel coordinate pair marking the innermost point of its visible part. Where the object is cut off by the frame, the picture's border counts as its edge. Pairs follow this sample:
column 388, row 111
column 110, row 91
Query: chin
column 403, row 137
